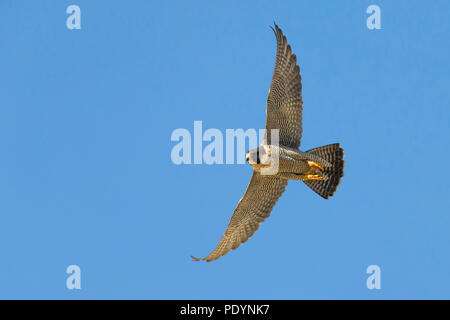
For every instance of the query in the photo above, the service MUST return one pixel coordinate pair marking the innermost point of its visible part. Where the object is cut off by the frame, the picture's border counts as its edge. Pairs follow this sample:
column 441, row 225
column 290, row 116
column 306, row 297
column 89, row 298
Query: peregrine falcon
column 320, row 168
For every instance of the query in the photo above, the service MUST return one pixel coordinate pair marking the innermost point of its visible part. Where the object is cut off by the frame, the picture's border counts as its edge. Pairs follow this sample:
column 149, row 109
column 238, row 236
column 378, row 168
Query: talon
column 315, row 165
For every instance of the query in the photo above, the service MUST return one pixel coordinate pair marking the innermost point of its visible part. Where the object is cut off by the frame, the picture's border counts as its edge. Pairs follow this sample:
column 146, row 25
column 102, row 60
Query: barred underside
column 334, row 154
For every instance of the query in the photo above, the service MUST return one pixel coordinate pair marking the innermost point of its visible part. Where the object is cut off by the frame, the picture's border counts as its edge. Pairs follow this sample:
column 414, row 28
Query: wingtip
column 274, row 25
column 196, row 259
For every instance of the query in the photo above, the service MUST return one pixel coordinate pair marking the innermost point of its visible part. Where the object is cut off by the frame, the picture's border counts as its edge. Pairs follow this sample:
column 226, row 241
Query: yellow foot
column 314, row 177
column 315, row 165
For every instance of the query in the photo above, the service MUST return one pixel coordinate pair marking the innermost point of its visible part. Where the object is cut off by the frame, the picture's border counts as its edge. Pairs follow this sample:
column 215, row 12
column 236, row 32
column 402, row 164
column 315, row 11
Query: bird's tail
column 334, row 154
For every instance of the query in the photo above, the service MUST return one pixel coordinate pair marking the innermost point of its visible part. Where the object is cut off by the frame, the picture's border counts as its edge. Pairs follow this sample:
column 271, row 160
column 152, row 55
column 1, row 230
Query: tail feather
column 334, row 154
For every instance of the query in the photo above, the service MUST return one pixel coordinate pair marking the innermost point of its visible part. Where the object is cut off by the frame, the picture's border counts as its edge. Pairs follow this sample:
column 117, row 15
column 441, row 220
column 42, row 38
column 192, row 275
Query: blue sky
column 86, row 176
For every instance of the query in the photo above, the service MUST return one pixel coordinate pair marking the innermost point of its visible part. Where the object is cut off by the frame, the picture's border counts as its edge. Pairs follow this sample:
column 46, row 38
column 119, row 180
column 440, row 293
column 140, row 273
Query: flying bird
column 320, row 168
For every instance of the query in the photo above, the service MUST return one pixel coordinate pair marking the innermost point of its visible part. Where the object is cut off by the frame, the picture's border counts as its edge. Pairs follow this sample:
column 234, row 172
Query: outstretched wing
column 284, row 103
column 254, row 207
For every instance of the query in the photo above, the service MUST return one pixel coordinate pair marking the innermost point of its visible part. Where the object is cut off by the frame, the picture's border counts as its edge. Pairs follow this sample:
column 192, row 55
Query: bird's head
column 256, row 157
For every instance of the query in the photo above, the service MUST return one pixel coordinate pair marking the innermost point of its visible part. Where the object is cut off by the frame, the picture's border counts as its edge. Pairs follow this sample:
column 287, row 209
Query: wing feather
column 254, row 207
column 284, row 103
